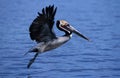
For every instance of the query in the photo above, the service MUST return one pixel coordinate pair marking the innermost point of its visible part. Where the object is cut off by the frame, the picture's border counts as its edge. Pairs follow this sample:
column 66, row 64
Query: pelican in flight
column 41, row 30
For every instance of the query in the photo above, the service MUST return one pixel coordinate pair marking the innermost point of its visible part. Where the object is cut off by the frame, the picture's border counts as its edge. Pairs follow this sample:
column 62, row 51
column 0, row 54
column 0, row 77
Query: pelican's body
column 46, row 46
column 41, row 30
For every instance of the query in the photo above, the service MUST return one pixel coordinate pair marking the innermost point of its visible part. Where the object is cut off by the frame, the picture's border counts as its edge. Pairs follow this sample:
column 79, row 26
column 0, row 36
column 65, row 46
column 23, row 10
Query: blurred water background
column 97, row 19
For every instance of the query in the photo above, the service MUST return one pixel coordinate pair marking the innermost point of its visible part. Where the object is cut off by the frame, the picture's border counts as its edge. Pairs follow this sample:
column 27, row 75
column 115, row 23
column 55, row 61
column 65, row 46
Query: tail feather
column 33, row 50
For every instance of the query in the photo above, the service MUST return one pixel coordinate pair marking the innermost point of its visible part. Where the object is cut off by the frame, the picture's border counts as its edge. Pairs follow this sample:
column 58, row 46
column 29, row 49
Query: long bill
column 77, row 32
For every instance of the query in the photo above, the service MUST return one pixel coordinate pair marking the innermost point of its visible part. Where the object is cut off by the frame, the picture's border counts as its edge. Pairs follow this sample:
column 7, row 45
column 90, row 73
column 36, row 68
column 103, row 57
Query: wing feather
column 41, row 29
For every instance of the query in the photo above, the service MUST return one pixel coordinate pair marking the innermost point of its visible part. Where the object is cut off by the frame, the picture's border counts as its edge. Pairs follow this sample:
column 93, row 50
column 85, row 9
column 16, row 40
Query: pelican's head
column 68, row 29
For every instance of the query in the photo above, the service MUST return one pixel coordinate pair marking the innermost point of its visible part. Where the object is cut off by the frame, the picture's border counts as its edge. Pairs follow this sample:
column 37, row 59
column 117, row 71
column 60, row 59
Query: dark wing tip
column 54, row 11
column 48, row 11
column 39, row 14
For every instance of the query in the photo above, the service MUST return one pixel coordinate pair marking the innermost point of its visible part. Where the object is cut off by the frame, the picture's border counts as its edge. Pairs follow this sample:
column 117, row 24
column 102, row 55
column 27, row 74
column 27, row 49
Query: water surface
column 99, row 20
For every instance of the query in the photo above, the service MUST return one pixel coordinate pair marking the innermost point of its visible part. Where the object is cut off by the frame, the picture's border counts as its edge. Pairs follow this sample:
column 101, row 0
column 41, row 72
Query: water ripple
column 98, row 20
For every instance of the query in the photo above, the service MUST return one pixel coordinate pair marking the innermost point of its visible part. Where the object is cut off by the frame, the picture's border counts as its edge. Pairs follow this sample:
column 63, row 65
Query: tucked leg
column 32, row 60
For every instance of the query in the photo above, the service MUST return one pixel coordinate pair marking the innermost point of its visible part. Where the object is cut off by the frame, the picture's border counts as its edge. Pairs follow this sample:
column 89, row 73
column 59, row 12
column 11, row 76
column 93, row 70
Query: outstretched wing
column 41, row 27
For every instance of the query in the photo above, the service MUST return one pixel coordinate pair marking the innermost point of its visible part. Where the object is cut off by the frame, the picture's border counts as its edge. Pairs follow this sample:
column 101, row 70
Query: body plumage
column 41, row 30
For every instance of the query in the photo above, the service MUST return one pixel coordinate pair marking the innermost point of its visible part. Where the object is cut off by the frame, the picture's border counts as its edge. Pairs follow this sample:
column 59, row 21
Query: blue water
column 97, row 19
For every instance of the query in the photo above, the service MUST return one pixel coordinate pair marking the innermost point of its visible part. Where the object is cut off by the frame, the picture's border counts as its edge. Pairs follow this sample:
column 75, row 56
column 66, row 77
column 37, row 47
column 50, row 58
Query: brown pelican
column 41, row 30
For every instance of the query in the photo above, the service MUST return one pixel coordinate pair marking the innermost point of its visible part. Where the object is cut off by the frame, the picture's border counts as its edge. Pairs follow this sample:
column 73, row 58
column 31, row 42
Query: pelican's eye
column 67, row 24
